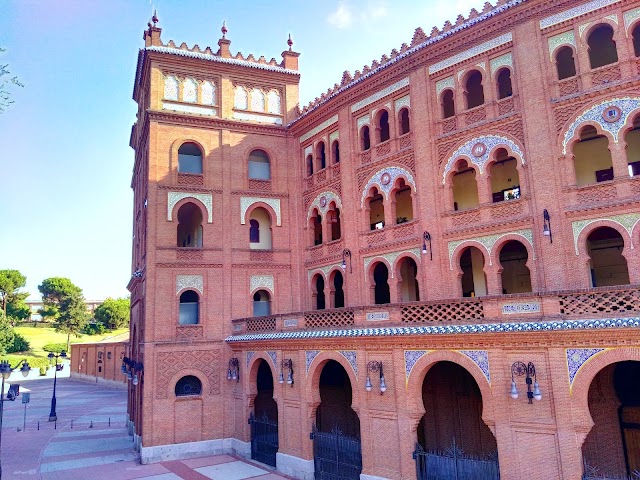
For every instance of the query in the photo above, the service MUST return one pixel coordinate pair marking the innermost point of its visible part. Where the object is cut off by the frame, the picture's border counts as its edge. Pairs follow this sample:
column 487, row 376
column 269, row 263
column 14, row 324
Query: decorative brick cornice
column 215, row 123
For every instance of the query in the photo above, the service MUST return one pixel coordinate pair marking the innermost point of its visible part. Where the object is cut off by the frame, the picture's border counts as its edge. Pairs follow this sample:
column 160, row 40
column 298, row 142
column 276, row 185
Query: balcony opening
column 592, row 158
column 189, row 306
column 333, row 217
column 409, row 291
column 309, row 165
column 448, row 105
column 505, row 88
column 464, row 187
column 636, row 40
column 319, row 292
column 474, row 91
column 365, row 139
column 516, row 277
column 189, row 158
column 632, row 139
column 505, row 180
column 261, row 303
column 403, row 202
column 404, row 121
column 383, row 126
column 376, row 210
column 607, row 265
column 264, row 405
column 316, row 227
column 338, row 290
column 381, row 290
column 602, row 47
column 565, row 63
column 474, row 281
column 335, row 147
column 321, row 156
column 261, row 217
column 189, row 226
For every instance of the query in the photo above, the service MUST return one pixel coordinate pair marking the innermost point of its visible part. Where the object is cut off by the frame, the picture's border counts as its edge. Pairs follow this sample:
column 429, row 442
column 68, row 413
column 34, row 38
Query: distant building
column 36, row 305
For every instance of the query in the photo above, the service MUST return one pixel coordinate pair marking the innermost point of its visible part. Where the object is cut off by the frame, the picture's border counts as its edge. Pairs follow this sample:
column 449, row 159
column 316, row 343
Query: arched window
column 189, row 226
column 404, row 121
column 607, row 264
column 189, row 158
column 333, row 217
column 171, row 88
column 505, row 88
column 602, row 47
column 309, row 165
column 240, row 98
column 381, row 289
column 403, row 202
column 448, row 107
column 636, row 40
column 208, row 93
column 338, row 291
column 516, row 277
column 383, row 126
column 261, row 303
column 190, row 90
column 409, row 291
column 316, row 227
column 335, row 147
column 376, row 209
column 505, row 180
column 262, row 230
column 474, row 282
column 321, row 156
column 319, row 286
column 257, row 100
column 259, row 165
column 565, row 63
column 632, row 138
column 365, row 139
column 189, row 306
column 464, row 187
column 188, row 386
column 592, row 158
column 474, row 91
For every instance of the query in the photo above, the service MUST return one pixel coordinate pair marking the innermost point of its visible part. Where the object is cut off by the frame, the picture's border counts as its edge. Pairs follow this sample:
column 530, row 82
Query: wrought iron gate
column 454, row 464
column 264, row 439
column 336, row 456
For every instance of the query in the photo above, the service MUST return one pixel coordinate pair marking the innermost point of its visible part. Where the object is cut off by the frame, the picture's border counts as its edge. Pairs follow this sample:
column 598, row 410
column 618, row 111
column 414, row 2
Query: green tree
column 10, row 282
column 17, row 308
column 6, row 334
column 6, row 81
column 64, row 303
column 113, row 313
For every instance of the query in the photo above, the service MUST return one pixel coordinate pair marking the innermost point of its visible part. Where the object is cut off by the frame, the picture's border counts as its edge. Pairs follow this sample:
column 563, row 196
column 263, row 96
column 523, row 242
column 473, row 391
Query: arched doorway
column 453, row 442
column 381, row 292
column 612, row 447
column 189, row 226
column 264, row 418
column 516, row 277
column 408, row 287
column 336, row 434
column 607, row 265
column 474, row 282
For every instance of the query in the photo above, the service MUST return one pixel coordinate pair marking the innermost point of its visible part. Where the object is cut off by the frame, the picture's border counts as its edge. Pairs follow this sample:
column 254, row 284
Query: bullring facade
column 428, row 271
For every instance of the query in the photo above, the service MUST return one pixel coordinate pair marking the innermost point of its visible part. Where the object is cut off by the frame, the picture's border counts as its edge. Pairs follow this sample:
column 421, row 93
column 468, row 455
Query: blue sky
column 65, row 160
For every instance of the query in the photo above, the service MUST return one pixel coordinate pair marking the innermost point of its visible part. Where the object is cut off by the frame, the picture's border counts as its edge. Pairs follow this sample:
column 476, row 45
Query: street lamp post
column 52, row 415
column 5, row 371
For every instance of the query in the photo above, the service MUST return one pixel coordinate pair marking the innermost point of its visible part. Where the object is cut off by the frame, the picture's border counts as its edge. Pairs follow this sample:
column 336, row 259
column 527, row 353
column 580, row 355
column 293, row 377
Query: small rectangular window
column 604, row 175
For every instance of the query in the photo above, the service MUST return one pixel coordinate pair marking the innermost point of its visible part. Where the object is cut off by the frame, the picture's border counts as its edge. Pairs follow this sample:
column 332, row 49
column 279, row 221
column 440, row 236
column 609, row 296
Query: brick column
column 619, row 159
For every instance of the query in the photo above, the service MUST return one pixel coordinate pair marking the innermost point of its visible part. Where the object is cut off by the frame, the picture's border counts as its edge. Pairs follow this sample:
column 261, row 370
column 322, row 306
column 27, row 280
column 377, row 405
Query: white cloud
column 376, row 10
column 342, row 17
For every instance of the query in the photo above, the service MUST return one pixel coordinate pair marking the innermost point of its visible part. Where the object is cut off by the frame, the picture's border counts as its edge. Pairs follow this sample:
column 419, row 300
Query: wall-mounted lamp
column 546, row 229
column 519, row 369
column 374, row 366
column 346, row 253
column 131, row 369
column 426, row 237
column 286, row 364
column 234, row 370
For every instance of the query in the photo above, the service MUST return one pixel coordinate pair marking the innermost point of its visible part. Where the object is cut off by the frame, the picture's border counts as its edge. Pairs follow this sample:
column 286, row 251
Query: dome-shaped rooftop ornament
column 154, row 19
column 224, row 29
column 290, row 42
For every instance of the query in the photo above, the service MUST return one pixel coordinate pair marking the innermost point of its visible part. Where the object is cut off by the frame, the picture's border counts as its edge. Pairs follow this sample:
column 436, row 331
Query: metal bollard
column 72, row 424
column 38, row 424
column 109, row 421
column 55, row 424
column 91, row 424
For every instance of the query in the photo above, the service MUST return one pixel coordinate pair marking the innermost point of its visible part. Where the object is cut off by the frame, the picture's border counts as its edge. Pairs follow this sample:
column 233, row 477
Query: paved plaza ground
column 74, row 451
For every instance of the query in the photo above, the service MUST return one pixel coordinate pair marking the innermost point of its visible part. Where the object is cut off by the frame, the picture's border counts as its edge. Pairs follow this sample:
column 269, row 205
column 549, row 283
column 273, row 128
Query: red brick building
column 432, row 265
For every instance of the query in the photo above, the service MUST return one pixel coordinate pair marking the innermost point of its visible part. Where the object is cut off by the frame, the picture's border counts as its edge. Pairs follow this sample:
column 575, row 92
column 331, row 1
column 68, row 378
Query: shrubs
column 55, row 347
column 95, row 329
column 20, row 344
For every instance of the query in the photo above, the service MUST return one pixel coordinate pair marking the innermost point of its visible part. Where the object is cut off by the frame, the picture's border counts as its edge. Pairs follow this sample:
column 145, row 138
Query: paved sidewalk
column 90, row 441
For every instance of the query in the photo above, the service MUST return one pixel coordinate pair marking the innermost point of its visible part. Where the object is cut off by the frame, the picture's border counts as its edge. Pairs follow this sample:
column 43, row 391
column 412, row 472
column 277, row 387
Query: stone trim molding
column 261, row 281
column 182, row 108
column 490, row 142
column 575, row 12
column 254, row 117
column 566, row 38
column 441, row 85
column 505, row 60
column 481, row 359
column 394, row 87
column 385, row 187
column 324, row 270
column 390, row 257
column 174, row 197
column 317, row 129
column 189, row 281
column 630, row 16
column 576, row 358
column 329, row 197
column 472, row 52
column 595, row 114
column 628, row 221
column 489, row 241
column 246, row 202
column 352, row 358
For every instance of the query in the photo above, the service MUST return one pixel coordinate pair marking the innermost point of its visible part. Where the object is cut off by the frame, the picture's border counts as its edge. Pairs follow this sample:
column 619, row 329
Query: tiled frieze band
column 319, row 128
column 575, row 12
column 394, row 87
column 472, row 52
column 310, row 355
column 628, row 221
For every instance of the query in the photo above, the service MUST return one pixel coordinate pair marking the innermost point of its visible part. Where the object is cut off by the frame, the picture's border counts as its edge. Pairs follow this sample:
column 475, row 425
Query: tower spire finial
column 154, row 19
column 224, row 29
column 290, row 42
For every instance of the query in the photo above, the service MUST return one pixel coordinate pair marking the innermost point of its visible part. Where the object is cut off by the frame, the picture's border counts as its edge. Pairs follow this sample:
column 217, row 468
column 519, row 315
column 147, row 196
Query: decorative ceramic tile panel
column 489, row 241
column 205, row 198
column 249, row 357
column 189, row 281
column 483, row 328
column 478, row 151
column 472, row 52
column 334, row 136
column 273, row 100
column 257, row 100
column 582, row 28
column 198, row 110
column 171, row 88
column 257, row 118
column 319, row 128
column 575, row 12
column 381, row 94
column 261, row 281
column 324, row 270
column 240, row 98
column 449, row 82
column 627, row 106
column 246, row 202
column 566, row 38
column 274, row 358
column 576, row 358
column 411, row 357
column 391, row 258
column 190, row 90
column 403, row 102
column 481, row 359
column 505, row 60
column 630, row 16
column 352, row 357
column 310, row 356
column 322, row 202
column 208, row 91
column 308, row 150
column 384, row 180
column 627, row 221
column 364, row 120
